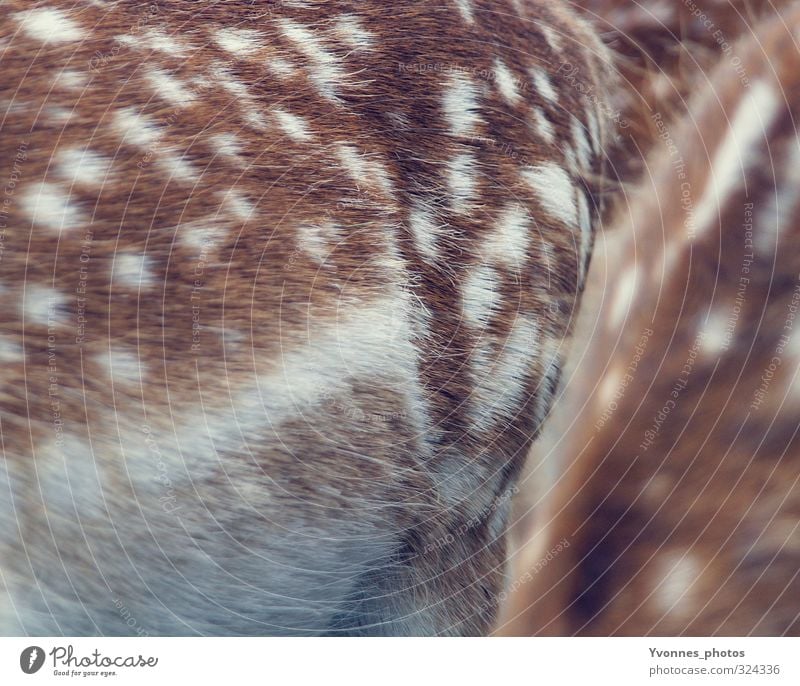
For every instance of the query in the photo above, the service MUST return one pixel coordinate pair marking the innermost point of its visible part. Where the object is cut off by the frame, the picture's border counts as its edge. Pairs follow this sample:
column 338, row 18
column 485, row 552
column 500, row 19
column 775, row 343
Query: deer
column 659, row 48
column 287, row 287
column 675, row 506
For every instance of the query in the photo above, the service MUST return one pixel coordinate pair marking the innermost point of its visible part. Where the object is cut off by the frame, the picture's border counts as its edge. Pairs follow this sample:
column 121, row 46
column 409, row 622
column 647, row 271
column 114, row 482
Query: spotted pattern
column 290, row 293
column 675, row 443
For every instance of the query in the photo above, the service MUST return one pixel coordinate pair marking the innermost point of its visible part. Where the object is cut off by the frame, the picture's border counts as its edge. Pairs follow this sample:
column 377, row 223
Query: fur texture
column 680, row 498
column 285, row 288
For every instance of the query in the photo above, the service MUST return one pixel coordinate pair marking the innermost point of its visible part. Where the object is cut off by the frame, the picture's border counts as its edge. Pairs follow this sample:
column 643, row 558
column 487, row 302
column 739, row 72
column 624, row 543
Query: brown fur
column 677, row 434
column 266, row 458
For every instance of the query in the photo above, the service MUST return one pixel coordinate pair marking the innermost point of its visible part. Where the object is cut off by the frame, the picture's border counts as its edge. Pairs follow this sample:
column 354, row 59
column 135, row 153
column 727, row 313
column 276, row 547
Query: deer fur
column 676, row 437
column 286, row 286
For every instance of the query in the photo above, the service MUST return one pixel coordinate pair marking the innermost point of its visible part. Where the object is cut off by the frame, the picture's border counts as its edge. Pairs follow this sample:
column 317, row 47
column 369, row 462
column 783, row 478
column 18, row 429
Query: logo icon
column 31, row 659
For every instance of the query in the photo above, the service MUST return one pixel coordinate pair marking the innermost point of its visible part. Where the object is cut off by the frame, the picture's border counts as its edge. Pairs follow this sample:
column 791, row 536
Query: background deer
column 677, row 503
column 285, row 288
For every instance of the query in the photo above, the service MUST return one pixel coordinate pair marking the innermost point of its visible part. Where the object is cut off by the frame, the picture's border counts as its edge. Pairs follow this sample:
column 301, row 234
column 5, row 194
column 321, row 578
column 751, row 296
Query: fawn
column 679, row 502
column 286, row 288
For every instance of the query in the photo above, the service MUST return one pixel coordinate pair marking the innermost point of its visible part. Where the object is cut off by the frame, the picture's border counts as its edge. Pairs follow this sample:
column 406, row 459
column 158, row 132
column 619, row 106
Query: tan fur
column 664, row 51
column 677, row 435
column 275, row 347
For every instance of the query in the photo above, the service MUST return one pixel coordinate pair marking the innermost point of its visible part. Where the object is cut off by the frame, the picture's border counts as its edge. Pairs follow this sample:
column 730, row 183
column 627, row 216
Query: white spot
column 176, row 167
column 677, row 573
column 623, row 297
column 662, row 87
column 250, row 107
column 81, row 166
column 610, row 386
column 44, row 306
column 71, row 79
column 281, row 67
column 235, row 202
column 170, row 44
column 350, row 30
column 239, row 42
column 775, row 213
column 227, row 145
column 462, row 181
column 11, row 352
column 555, row 191
column 570, row 160
column 461, row 105
column 716, row 331
column 544, row 126
column 122, row 367
column 296, row 127
column 552, row 38
column 132, row 271
column 480, row 295
column 543, row 85
column 199, row 236
column 48, row 205
column 499, row 387
column 658, row 488
column 674, row 250
column 426, row 230
column 505, row 81
column 128, row 40
column 318, row 239
column 49, row 25
column 737, row 153
column 508, row 243
column 135, row 128
column 582, row 147
column 62, row 115
column 168, row 87
column 465, row 8
column 255, row 119
column 325, row 71
column 365, row 169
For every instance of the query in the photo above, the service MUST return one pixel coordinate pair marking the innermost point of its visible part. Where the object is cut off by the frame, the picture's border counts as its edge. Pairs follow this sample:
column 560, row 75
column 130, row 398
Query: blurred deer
column 663, row 49
column 285, row 288
column 677, row 505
